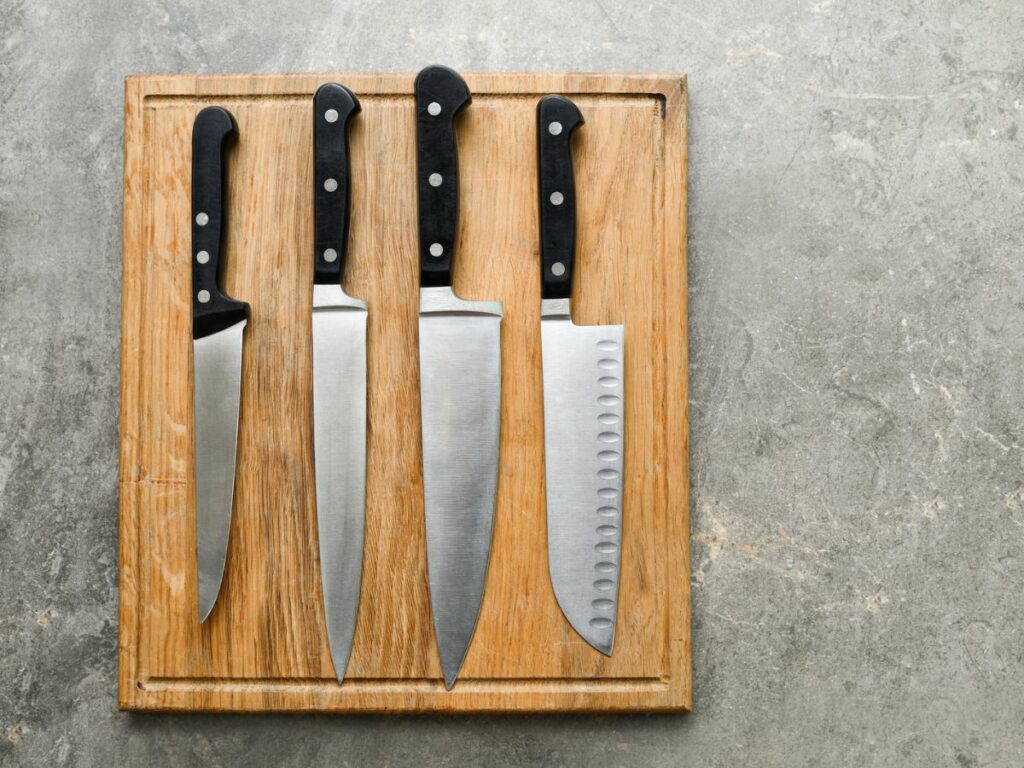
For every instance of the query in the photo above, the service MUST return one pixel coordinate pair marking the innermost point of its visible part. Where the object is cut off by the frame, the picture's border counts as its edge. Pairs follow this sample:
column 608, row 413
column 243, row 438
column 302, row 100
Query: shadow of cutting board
column 265, row 646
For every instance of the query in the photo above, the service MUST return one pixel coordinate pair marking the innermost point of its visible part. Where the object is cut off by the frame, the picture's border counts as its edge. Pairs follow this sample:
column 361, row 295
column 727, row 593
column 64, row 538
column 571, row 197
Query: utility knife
column 218, row 332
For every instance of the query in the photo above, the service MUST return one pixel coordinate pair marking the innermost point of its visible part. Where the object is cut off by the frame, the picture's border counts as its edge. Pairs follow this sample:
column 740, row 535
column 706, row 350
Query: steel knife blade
column 218, row 331
column 583, row 375
column 460, row 384
column 339, row 377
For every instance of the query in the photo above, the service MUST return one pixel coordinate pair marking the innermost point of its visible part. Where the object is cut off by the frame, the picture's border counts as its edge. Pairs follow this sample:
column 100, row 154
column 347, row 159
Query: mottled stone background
column 856, row 294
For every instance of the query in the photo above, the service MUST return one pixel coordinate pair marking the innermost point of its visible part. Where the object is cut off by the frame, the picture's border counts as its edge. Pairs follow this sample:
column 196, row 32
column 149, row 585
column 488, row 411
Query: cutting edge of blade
column 209, row 587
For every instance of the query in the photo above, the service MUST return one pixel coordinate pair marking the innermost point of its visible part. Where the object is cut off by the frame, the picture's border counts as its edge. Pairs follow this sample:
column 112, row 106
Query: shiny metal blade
column 217, row 363
column 339, row 441
column 583, row 444
column 460, row 398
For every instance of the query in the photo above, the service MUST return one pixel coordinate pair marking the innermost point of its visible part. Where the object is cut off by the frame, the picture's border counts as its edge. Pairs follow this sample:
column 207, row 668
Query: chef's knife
column 583, row 405
column 339, row 377
column 460, row 384
column 218, row 325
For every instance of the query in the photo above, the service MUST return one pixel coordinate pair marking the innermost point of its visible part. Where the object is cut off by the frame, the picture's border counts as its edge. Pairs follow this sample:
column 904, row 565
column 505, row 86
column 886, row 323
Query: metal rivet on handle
column 331, row 185
column 330, row 255
column 558, row 269
column 557, row 198
column 331, row 115
column 202, row 257
column 202, row 219
column 436, row 249
column 434, row 179
column 434, row 108
column 554, row 128
column 203, row 296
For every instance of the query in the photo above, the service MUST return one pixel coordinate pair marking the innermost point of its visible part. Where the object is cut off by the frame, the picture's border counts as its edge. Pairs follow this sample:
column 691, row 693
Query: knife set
column 460, row 383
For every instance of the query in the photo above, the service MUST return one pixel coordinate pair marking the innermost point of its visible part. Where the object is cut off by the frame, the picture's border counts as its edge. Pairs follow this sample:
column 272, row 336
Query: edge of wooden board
column 248, row 85
column 671, row 694
column 127, row 657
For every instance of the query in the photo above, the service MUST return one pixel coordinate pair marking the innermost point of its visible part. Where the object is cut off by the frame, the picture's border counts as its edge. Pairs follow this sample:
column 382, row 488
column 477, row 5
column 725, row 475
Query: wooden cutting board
column 265, row 646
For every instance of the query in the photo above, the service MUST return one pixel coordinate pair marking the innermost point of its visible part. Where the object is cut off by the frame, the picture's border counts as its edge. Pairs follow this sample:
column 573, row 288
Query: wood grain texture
column 264, row 647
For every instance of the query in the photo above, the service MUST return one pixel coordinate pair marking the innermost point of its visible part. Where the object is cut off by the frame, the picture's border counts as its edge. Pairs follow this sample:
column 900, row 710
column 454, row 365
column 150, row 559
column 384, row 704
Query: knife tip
column 450, row 672
column 340, row 661
column 602, row 642
column 209, row 589
column 204, row 612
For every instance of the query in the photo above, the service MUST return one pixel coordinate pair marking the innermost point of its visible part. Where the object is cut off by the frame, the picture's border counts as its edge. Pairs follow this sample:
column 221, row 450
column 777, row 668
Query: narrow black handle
column 557, row 118
column 333, row 108
column 212, row 310
column 440, row 95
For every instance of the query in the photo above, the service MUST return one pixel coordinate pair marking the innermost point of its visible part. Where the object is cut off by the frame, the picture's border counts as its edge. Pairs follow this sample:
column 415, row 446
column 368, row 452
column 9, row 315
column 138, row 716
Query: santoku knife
column 339, row 377
column 339, row 332
column 460, row 384
column 583, row 405
column 218, row 325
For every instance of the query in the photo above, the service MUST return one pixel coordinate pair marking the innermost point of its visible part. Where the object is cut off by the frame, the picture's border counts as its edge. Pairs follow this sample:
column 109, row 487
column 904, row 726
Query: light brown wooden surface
column 264, row 647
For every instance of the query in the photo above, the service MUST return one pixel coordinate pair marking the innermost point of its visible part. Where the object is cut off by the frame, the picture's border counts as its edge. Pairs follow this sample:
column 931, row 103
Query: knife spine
column 557, row 120
column 212, row 309
column 441, row 94
column 334, row 106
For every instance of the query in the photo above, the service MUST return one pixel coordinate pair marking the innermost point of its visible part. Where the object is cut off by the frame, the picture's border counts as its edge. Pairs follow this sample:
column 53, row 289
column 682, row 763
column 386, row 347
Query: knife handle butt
column 440, row 95
column 334, row 106
column 557, row 119
column 212, row 310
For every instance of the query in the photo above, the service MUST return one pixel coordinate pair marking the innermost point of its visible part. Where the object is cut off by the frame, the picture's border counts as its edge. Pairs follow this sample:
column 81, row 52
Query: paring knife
column 218, row 325
column 339, row 377
column 460, row 384
column 583, row 405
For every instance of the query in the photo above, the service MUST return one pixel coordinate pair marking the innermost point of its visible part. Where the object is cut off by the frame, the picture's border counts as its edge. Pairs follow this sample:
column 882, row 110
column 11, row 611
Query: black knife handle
column 212, row 310
column 557, row 118
column 334, row 106
column 440, row 95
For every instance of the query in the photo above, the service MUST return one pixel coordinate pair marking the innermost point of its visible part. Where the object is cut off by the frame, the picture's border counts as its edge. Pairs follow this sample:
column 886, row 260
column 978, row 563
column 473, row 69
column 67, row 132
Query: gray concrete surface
column 856, row 286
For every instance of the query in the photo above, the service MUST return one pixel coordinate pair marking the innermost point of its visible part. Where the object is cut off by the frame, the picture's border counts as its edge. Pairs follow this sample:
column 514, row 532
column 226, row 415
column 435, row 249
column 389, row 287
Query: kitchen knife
column 339, row 377
column 583, row 405
column 460, row 384
column 218, row 325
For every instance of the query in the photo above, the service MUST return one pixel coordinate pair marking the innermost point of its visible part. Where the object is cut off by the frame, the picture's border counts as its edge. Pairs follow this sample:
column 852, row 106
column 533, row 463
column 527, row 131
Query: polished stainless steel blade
column 583, row 444
column 217, row 361
column 460, row 399
column 339, row 435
